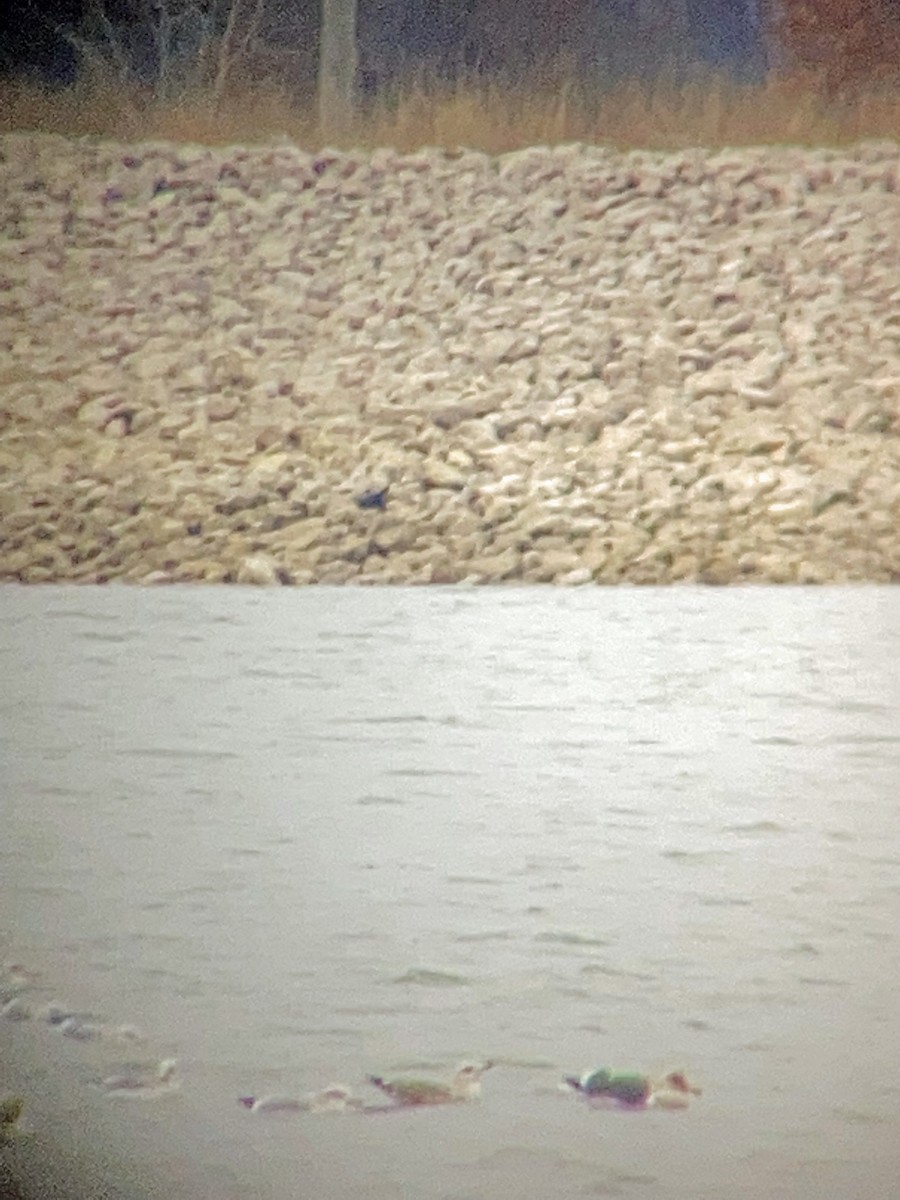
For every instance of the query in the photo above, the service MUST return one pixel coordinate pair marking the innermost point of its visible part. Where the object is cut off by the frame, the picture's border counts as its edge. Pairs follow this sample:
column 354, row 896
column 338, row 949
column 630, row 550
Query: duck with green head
column 632, row 1090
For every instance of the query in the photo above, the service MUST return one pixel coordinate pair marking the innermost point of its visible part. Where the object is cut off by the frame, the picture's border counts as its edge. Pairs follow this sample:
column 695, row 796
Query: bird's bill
column 678, row 1080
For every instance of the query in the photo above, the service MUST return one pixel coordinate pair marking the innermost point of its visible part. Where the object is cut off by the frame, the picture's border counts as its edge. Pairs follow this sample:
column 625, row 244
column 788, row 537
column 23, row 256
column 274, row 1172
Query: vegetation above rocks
column 483, row 116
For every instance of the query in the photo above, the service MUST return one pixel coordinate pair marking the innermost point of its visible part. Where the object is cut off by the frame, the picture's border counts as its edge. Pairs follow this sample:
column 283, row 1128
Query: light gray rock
column 258, row 569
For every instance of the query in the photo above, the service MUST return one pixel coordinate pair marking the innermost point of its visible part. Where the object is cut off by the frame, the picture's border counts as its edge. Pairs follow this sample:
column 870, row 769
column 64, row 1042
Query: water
column 303, row 835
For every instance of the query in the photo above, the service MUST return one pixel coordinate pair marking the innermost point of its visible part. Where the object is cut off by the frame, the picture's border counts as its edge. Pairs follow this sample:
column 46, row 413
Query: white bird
column 19, row 976
column 334, row 1098
column 15, row 1009
column 143, row 1080
column 55, row 1013
column 80, row 1028
column 126, row 1033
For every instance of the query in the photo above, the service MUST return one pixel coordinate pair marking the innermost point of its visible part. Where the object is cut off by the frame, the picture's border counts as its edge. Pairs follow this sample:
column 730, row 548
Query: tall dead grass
column 494, row 118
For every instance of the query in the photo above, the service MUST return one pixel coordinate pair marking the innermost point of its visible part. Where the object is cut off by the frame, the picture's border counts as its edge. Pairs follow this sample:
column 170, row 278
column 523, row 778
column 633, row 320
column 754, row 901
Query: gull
column 144, row 1081
column 465, row 1085
column 334, row 1098
column 15, row 1009
column 79, row 1028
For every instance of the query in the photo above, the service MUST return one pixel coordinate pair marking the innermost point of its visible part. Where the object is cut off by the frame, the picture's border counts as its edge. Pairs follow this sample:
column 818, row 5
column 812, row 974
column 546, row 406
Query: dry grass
column 491, row 118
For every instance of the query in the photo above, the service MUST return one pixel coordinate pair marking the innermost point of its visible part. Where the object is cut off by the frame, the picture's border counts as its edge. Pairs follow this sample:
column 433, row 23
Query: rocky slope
column 571, row 365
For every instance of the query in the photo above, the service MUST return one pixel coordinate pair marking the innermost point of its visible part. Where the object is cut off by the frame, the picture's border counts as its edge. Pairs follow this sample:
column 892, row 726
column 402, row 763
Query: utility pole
column 338, row 60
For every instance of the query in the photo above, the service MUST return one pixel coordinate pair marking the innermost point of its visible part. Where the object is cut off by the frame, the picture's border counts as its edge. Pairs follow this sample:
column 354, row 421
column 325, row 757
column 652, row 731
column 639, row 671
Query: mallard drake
column 465, row 1085
column 334, row 1098
column 135, row 1080
column 634, row 1090
column 672, row 1091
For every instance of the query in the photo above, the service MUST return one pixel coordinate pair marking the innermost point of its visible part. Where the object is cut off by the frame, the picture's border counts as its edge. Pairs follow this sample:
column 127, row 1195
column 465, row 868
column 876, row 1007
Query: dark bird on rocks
column 373, row 499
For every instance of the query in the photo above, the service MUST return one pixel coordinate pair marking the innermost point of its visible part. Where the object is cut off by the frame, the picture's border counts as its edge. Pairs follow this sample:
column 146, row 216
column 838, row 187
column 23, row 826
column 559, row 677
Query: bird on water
column 633, row 1090
column 465, row 1085
column 334, row 1098
column 143, row 1080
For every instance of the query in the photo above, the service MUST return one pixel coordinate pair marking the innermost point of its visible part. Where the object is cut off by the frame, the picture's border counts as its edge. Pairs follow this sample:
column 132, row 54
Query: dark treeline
column 524, row 42
column 599, row 40
column 445, row 40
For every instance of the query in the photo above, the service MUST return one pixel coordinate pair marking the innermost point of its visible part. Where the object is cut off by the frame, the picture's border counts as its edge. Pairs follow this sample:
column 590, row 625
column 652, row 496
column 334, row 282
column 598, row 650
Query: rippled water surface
column 303, row 835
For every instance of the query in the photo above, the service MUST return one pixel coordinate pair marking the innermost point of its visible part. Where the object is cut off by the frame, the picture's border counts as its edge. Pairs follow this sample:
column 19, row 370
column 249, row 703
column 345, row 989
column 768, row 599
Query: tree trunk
column 338, row 59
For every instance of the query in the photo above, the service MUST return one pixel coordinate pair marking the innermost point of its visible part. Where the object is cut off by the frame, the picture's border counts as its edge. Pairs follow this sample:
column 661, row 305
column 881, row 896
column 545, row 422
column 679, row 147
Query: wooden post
column 338, row 59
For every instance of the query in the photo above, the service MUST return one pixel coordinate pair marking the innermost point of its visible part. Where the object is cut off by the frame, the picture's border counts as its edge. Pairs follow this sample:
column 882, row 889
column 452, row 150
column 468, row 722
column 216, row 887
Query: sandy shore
column 566, row 365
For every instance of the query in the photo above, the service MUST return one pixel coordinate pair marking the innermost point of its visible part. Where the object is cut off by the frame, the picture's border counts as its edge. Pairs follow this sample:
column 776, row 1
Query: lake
column 298, row 836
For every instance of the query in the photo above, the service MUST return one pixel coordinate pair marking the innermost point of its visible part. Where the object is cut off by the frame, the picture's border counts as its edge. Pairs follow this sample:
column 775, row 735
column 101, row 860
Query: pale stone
column 789, row 511
column 868, row 417
column 258, row 569
column 399, row 537
column 508, row 347
column 710, row 383
column 308, row 533
column 580, row 575
column 438, row 474
column 118, row 427
column 752, row 439
column 758, row 397
column 222, row 408
column 496, row 566
column 682, row 452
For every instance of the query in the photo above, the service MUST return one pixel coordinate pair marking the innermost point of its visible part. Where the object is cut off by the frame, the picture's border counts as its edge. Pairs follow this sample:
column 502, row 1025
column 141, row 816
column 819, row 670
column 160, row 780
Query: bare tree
column 338, row 61
column 179, row 47
column 242, row 27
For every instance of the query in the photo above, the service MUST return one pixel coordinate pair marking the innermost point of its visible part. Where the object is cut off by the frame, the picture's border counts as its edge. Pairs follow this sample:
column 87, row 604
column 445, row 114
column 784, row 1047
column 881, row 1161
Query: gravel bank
column 565, row 365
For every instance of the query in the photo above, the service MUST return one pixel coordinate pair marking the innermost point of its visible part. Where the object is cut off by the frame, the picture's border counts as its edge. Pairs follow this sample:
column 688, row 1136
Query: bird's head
column 473, row 1070
column 678, row 1082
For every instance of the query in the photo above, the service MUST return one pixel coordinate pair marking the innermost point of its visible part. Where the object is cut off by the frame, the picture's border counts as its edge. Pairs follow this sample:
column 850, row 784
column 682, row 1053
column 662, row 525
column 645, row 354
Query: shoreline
column 76, row 1144
column 566, row 365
